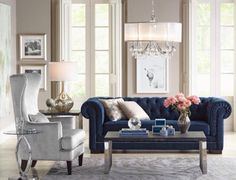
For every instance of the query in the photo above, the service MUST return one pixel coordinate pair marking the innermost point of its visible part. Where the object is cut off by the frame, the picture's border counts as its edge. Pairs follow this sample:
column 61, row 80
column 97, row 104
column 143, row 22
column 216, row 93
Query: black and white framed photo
column 38, row 68
column 33, row 46
column 152, row 74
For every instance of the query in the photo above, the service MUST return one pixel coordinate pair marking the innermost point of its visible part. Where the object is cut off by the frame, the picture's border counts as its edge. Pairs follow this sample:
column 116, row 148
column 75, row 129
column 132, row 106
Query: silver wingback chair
column 53, row 142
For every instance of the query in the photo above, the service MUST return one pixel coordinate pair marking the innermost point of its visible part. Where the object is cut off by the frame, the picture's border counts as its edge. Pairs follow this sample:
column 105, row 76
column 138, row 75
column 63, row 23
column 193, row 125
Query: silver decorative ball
column 134, row 123
column 50, row 103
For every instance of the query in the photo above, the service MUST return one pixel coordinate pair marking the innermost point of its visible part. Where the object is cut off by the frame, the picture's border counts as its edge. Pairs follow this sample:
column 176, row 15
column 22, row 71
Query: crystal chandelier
column 153, row 38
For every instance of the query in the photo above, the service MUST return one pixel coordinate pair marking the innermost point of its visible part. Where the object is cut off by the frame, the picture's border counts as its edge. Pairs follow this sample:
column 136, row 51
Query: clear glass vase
column 183, row 122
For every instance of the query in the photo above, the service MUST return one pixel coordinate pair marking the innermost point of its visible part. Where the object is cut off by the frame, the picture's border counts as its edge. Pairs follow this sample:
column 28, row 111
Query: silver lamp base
column 63, row 102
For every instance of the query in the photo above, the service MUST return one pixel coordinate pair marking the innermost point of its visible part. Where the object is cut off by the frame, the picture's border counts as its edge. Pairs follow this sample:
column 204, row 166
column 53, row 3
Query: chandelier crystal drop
column 151, row 48
column 153, row 38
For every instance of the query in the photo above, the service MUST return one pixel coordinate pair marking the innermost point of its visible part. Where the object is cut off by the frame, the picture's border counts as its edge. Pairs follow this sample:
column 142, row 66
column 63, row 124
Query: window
column 78, row 49
column 227, row 48
column 102, row 50
column 213, row 42
column 94, row 27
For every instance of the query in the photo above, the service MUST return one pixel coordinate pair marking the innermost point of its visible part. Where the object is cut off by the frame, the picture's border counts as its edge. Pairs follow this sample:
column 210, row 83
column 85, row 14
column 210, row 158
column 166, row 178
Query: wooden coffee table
column 194, row 136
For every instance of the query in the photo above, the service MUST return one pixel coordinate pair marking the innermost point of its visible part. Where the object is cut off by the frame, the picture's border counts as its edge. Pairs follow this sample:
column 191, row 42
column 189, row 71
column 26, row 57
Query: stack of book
column 126, row 132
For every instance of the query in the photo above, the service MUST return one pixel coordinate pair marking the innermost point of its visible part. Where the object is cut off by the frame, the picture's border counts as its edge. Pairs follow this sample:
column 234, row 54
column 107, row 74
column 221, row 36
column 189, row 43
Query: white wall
column 7, row 117
column 166, row 11
column 34, row 16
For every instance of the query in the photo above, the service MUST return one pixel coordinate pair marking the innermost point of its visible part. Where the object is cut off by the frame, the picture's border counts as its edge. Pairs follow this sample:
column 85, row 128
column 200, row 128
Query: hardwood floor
column 8, row 166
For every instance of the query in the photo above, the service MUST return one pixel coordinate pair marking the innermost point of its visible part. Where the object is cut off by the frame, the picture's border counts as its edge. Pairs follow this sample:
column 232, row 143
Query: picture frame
column 36, row 68
column 33, row 47
column 152, row 74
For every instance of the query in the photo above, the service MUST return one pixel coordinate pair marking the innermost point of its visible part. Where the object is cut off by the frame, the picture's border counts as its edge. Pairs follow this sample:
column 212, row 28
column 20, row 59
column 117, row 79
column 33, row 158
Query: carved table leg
column 27, row 163
column 23, row 173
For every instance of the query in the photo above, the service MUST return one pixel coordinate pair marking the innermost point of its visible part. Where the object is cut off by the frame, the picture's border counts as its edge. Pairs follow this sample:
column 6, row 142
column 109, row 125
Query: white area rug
column 146, row 168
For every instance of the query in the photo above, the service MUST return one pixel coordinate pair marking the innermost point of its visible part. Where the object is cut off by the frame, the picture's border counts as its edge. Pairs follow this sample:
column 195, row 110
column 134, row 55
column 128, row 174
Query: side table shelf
column 24, row 174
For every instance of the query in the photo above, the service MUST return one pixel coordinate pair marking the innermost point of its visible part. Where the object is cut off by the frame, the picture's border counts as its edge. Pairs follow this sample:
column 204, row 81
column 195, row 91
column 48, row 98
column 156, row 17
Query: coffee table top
column 188, row 137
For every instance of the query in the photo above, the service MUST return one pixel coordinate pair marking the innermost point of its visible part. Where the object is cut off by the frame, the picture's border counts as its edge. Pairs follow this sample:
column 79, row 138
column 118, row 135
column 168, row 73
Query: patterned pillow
column 39, row 118
column 112, row 108
column 132, row 110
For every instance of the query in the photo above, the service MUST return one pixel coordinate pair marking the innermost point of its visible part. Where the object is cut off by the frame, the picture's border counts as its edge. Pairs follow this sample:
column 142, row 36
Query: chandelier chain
column 153, row 16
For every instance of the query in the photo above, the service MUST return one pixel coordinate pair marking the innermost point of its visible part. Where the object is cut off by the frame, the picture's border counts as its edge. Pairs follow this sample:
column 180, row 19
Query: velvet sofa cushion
column 118, row 125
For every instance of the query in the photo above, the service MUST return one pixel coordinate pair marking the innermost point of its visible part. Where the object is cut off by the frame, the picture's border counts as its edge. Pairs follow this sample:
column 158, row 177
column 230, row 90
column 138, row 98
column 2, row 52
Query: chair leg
column 69, row 167
column 23, row 164
column 33, row 163
column 81, row 160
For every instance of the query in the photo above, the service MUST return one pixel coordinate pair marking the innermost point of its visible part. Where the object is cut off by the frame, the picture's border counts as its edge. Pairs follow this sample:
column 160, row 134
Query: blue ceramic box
column 156, row 129
column 160, row 122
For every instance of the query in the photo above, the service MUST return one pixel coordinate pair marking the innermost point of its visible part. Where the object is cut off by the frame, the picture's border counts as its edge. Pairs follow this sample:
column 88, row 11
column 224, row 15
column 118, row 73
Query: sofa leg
column 69, row 167
column 215, row 151
column 33, row 163
column 23, row 164
column 80, row 158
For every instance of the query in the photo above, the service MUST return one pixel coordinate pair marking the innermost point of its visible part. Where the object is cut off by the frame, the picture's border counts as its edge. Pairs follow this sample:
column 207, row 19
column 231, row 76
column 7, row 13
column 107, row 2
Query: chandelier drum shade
column 170, row 32
column 153, row 38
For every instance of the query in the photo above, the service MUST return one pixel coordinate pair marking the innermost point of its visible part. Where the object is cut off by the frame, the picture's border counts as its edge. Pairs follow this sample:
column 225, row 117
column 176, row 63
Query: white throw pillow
column 39, row 118
column 132, row 110
column 112, row 108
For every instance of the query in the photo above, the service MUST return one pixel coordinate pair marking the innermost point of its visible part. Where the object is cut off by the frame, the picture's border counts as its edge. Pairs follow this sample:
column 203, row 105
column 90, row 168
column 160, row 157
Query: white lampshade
column 62, row 71
column 170, row 32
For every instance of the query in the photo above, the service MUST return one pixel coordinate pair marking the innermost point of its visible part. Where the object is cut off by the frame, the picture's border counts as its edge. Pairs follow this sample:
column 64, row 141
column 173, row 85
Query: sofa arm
column 93, row 110
column 218, row 110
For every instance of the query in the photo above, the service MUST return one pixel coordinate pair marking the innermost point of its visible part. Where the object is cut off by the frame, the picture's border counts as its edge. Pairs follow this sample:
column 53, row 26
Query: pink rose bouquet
column 181, row 103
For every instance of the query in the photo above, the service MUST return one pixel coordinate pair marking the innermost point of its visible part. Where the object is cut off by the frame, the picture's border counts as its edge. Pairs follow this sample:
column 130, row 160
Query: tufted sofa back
column 154, row 107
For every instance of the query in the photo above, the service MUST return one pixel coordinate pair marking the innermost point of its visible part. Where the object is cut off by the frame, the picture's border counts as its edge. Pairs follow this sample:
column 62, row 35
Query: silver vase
column 183, row 122
column 63, row 103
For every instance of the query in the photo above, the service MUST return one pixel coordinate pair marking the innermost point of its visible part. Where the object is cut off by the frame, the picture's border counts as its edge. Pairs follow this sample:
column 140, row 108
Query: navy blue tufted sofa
column 208, row 116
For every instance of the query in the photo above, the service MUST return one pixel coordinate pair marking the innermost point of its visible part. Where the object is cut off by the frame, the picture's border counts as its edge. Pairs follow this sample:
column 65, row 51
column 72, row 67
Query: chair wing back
column 25, row 88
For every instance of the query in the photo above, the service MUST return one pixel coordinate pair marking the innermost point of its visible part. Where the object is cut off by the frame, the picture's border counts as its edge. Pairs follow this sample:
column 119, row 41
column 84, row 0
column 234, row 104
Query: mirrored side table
column 24, row 174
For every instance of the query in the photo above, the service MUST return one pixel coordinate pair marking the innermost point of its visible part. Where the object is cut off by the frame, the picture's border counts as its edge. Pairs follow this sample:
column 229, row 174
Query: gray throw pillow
column 112, row 108
column 39, row 118
column 132, row 110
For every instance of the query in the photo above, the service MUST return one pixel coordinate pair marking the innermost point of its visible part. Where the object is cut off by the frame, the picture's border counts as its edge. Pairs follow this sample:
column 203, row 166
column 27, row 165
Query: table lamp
column 63, row 71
